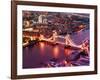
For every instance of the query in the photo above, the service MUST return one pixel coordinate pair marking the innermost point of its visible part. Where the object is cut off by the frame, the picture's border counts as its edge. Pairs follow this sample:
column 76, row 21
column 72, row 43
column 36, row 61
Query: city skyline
column 58, row 39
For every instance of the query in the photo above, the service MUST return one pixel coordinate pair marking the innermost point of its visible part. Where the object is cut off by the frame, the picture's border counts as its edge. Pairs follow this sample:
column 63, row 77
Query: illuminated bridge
column 55, row 40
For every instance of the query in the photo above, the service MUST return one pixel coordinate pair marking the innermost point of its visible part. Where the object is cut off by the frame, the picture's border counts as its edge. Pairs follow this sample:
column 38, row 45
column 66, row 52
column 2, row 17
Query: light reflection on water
column 42, row 45
column 56, row 51
column 43, row 52
column 67, row 52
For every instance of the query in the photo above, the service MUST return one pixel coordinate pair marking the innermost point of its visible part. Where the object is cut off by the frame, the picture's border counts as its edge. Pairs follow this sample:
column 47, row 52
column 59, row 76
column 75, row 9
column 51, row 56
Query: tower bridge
column 67, row 40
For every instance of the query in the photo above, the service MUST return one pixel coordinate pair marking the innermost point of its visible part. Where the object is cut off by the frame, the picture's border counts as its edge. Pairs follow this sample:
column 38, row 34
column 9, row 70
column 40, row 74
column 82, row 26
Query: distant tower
column 42, row 19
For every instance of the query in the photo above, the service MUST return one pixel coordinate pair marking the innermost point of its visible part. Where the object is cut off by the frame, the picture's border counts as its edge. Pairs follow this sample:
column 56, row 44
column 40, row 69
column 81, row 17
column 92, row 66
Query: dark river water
column 37, row 55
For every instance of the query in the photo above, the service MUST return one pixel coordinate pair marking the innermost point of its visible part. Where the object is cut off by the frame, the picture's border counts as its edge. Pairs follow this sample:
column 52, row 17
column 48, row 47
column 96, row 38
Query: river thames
column 44, row 54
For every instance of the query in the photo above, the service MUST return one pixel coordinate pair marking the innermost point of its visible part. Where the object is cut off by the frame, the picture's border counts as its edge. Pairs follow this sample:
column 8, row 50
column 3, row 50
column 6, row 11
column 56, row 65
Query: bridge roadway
column 67, row 39
column 72, row 44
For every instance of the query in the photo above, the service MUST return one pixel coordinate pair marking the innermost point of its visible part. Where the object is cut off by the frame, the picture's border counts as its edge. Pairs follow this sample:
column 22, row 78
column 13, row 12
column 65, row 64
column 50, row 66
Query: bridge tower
column 67, row 41
column 54, row 35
